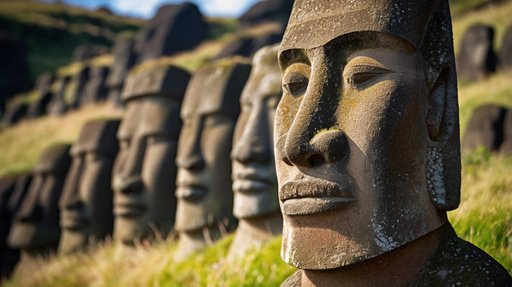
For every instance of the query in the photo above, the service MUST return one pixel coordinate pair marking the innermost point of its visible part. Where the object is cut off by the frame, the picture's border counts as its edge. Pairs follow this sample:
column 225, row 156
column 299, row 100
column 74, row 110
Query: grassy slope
column 52, row 31
column 484, row 217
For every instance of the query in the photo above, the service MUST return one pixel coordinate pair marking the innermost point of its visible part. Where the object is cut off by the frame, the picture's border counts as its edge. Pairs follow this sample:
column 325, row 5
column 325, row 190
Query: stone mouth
column 311, row 196
column 191, row 192
column 73, row 220
column 252, row 179
column 129, row 205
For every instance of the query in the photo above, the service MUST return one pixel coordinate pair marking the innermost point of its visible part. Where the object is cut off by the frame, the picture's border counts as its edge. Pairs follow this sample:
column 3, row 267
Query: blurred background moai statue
column 86, row 203
column 144, row 172
column 367, row 148
column 12, row 193
column 476, row 59
column 36, row 228
column 256, row 204
column 210, row 109
column 124, row 58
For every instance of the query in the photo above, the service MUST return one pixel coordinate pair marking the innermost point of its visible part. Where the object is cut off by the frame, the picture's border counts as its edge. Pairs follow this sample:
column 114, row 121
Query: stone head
column 366, row 134
column 36, row 226
column 254, row 176
column 210, row 109
column 86, row 203
column 144, row 172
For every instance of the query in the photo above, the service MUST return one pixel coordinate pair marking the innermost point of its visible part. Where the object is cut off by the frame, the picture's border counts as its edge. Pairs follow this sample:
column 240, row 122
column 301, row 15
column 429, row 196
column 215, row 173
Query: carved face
column 37, row 221
column 86, row 203
column 351, row 150
column 144, row 170
column 254, row 176
column 204, row 174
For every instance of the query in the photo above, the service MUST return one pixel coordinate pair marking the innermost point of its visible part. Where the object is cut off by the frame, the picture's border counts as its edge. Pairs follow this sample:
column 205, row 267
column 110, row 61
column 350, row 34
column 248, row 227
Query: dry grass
column 22, row 144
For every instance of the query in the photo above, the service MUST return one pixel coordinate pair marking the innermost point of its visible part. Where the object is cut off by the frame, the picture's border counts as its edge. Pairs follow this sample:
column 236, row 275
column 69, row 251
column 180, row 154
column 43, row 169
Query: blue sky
column 146, row 8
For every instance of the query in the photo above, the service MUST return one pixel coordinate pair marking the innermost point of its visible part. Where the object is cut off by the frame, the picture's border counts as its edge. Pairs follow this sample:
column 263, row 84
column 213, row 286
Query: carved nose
column 128, row 185
column 193, row 162
column 327, row 146
column 250, row 150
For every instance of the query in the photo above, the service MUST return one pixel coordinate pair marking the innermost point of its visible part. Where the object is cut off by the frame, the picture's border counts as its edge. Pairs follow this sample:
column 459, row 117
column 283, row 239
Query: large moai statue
column 96, row 88
column 58, row 105
column 210, row 109
column 174, row 28
column 12, row 193
column 145, row 172
column 124, row 58
column 367, row 148
column 476, row 59
column 86, row 204
column 36, row 228
column 505, row 53
column 44, row 95
column 256, row 204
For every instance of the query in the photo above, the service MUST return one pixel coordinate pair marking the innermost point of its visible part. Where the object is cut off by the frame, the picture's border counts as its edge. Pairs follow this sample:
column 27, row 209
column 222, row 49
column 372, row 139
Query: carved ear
column 436, row 114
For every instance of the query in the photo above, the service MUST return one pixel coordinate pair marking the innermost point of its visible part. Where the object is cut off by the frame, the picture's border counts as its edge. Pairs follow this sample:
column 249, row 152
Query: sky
column 147, row 8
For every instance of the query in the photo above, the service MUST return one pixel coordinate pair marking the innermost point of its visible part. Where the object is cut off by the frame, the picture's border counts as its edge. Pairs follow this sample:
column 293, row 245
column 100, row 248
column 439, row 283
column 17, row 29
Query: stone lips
column 161, row 80
column 223, row 80
column 97, row 136
column 406, row 19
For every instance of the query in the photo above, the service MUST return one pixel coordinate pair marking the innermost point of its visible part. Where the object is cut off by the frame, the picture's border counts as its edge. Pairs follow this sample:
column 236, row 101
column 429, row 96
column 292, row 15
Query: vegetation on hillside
column 52, row 31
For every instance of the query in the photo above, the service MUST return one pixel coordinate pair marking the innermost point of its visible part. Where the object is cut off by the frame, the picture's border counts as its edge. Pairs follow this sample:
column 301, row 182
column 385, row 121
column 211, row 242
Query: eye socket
column 295, row 83
column 363, row 75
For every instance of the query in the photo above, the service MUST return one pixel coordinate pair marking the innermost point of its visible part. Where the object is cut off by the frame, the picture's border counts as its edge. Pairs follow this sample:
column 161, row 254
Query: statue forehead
column 265, row 76
column 314, row 23
column 97, row 136
column 54, row 159
column 216, row 88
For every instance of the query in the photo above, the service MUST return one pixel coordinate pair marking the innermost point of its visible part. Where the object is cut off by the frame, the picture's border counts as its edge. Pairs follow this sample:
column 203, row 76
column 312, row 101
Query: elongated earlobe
column 437, row 108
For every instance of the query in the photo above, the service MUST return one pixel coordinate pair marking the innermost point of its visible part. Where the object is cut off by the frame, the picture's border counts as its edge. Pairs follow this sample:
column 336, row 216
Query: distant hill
column 51, row 31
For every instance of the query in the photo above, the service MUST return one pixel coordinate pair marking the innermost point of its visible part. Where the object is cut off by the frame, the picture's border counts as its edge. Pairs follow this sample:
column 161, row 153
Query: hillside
column 52, row 31
column 484, row 216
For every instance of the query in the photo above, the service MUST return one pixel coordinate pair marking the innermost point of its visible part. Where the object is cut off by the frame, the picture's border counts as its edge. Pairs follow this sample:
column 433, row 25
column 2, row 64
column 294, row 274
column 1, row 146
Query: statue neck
column 399, row 267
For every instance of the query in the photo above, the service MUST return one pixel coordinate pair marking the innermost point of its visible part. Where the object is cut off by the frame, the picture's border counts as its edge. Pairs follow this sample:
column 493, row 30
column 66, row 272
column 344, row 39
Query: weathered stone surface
column 476, row 58
column 15, row 113
column 124, row 58
column 87, row 201
column 14, row 74
column 159, row 80
column 80, row 81
column 506, row 146
column 367, row 146
column 175, row 28
column 485, row 128
column 256, row 204
column 204, row 169
column 57, row 105
column 36, row 228
column 144, row 172
column 505, row 56
column 96, row 88
column 269, row 10
column 87, row 52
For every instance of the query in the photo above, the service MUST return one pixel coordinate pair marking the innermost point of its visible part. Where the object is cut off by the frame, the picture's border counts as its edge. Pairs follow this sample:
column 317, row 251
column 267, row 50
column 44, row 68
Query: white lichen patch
column 435, row 176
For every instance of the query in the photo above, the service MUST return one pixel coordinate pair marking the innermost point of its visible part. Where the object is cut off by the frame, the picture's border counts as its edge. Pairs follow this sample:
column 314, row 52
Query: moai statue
column 367, row 148
column 96, row 89
column 505, row 56
column 44, row 90
column 57, row 105
column 506, row 146
column 80, row 81
column 476, row 58
column 36, row 228
column 15, row 113
column 485, row 128
column 174, row 28
column 86, row 215
column 256, row 204
column 124, row 58
column 144, row 172
column 210, row 109
column 12, row 193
